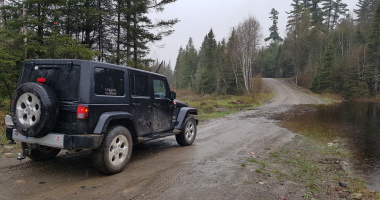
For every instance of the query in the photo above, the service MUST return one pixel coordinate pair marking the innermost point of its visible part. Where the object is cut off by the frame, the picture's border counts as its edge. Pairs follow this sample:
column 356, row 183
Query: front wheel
column 188, row 132
column 41, row 153
column 114, row 152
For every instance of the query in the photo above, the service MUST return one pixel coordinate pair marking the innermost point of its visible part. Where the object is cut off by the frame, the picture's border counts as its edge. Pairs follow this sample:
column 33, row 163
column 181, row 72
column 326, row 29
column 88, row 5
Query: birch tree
column 248, row 35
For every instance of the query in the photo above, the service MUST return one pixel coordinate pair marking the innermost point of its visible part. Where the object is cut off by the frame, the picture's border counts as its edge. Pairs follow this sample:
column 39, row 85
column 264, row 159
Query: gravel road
column 209, row 169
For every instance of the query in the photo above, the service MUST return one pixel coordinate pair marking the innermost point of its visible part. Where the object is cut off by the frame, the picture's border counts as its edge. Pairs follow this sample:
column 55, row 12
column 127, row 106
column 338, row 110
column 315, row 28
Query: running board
column 156, row 136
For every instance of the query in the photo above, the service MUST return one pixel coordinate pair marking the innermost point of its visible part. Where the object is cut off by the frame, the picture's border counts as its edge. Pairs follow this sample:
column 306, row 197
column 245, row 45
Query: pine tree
column 299, row 29
column 190, row 65
column 333, row 10
column 316, row 12
column 365, row 13
column 373, row 58
column 205, row 75
column 274, row 35
column 178, row 68
column 226, row 79
column 323, row 82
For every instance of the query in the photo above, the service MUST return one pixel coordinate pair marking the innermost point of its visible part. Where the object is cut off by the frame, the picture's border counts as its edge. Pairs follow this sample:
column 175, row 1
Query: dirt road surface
column 209, row 169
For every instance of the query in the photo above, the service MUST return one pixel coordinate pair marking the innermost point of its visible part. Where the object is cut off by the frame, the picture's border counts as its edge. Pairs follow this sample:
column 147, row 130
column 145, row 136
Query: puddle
column 358, row 123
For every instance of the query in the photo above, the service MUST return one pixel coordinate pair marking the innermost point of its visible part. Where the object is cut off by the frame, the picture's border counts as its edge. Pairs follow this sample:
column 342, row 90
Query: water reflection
column 358, row 123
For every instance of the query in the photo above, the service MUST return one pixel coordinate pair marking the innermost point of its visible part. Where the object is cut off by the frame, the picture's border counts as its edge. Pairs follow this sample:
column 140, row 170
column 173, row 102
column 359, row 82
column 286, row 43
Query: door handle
column 156, row 105
column 136, row 104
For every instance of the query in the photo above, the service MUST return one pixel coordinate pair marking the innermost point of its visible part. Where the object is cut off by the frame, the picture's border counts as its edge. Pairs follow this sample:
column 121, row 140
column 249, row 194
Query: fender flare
column 183, row 112
column 105, row 119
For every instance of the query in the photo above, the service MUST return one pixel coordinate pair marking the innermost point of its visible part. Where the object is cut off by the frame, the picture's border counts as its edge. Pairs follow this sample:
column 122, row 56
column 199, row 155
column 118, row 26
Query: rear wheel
column 114, row 152
column 41, row 153
column 188, row 132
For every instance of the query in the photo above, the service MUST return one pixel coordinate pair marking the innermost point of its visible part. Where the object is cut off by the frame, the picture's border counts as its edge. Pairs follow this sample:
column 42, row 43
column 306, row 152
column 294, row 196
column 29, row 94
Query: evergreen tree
column 205, row 75
column 373, row 59
column 178, row 73
column 333, row 10
column 274, row 35
column 186, row 66
column 299, row 29
column 366, row 12
column 225, row 74
column 322, row 81
column 316, row 12
column 190, row 65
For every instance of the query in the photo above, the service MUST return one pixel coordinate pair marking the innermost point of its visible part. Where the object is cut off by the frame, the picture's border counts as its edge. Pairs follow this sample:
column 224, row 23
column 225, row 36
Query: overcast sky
column 197, row 17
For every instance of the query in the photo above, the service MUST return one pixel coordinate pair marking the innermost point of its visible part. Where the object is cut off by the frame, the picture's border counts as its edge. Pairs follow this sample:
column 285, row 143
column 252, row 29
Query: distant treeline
column 326, row 49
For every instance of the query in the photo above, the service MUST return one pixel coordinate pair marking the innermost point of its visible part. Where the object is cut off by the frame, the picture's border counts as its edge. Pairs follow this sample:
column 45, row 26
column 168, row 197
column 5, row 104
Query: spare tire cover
column 34, row 109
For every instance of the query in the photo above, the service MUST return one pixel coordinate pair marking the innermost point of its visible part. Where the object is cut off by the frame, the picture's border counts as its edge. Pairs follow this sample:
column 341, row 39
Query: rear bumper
column 62, row 141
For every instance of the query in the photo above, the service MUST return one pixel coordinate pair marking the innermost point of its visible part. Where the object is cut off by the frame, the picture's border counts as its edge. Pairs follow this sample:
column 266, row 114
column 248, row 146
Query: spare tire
column 34, row 109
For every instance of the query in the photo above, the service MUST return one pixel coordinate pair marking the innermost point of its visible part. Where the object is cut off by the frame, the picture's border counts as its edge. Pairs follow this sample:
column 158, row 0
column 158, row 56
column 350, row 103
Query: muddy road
column 209, row 169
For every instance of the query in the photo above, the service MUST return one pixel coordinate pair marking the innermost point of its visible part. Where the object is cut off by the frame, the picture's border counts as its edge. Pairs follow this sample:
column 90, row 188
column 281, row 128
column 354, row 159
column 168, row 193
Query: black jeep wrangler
column 80, row 104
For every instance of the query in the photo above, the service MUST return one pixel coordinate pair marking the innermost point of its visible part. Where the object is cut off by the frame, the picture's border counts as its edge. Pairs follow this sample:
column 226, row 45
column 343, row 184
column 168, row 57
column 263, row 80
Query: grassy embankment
column 318, row 166
column 215, row 106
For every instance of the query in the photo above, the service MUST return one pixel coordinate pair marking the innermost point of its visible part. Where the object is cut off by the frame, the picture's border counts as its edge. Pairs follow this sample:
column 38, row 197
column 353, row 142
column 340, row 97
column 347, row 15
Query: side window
column 139, row 85
column 160, row 89
column 109, row 82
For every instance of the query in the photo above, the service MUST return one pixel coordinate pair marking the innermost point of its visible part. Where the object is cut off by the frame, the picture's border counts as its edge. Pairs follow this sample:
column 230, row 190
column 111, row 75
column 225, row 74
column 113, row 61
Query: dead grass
column 256, row 84
column 332, row 98
column 215, row 106
column 2, row 127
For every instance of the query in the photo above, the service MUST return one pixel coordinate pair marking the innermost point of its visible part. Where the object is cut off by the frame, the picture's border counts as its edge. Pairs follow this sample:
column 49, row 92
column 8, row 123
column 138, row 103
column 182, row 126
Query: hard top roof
column 83, row 63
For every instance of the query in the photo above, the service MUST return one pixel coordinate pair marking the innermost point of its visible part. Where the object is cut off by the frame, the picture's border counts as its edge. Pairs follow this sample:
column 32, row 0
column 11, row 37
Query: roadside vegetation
column 319, row 160
column 215, row 106
column 219, row 105
column 318, row 167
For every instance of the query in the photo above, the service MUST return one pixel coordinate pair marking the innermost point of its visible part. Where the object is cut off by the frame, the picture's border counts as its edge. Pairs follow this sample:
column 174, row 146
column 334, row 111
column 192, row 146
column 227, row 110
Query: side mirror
column 173, row 95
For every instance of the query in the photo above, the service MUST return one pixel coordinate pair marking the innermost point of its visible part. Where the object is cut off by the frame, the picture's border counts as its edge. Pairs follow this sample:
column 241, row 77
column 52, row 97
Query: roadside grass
column 216, row 106
column 319, row 167
column 331, row 98
column 314, row 164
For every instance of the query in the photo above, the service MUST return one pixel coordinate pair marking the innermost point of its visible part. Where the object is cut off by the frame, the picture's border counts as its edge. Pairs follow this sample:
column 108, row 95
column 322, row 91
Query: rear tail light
column 82, row 112
column 41, row 80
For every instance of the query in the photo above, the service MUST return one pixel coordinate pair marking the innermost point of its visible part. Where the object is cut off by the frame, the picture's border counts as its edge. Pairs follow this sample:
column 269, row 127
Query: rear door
column 141, row 102
column 162, row 109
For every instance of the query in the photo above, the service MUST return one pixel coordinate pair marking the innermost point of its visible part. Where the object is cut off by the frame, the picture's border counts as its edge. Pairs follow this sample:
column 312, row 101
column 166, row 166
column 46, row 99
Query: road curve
column 209, row 169
column 288, row 94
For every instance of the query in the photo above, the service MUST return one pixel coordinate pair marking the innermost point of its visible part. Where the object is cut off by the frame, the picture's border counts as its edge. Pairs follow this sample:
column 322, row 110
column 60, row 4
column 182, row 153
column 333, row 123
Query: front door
column 162, row 109
column 141, row 102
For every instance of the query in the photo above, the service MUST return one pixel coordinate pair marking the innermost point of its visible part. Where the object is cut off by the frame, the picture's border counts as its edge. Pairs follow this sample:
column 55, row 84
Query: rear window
column 63, row 79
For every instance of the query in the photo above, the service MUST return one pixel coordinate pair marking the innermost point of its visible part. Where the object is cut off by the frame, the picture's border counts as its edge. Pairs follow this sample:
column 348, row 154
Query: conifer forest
column 327, row 48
